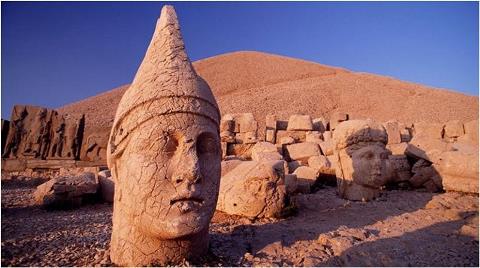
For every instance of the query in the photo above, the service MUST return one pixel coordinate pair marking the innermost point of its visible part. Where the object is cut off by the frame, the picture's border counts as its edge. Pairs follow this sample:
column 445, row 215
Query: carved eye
column 206, row 143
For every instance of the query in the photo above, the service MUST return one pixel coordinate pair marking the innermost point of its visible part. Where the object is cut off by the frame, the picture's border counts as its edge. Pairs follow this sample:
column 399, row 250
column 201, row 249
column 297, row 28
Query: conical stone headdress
column 165, row 83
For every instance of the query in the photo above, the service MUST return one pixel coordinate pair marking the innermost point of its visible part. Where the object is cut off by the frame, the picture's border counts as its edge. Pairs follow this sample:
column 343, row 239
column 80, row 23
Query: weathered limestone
column 300, row 122
column 66, row 192
column 361, row 159
column 164, row 155
column 253, row 189
column 302, row 151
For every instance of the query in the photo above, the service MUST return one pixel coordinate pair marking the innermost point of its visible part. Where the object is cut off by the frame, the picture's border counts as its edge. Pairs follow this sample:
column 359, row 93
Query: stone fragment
column 293, row 165
column 453, row 129
column 271, row 122
column 253, row 189
column 227, row 136
column 300, row 122
column 298, row 136
column 227, row 125
column 326, row 147
column 107, row 185
column 243, row 151
column 337, row 118
column 302, row 151
column 165, row 157
column 287, row 140
column 67, row 192
column 314, row 136
column 393, row 132
column 270, row 135
column 405, row 135
column 422, row 172
column 362, row 167
column 229, row 165
column 246, row 122
column 264, row 147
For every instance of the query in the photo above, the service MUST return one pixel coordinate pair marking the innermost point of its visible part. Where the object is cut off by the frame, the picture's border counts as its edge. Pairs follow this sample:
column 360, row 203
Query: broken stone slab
column 271, row 122
column 253, row 189
column 320, row 164
column 67, row 192
column 405, row 135
column 314, row 136
column 302, row 151
column 287, row 140
column 243, row 151
column 393, row 132
column 306, row 177
column 270, row 135
column 265, row 151
column 423, row 172
column 300, row 122
column 107, row 185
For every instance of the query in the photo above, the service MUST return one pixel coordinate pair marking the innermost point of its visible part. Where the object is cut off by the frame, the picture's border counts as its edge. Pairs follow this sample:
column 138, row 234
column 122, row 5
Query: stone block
column 320, row 164
column 306, row 177
column 313, row 136
column 426, row 147
column 300, row 122
column 327, row 147
column 107, row 185
column 227, row 136
column 397, row 149
column 432, row 130
column 265, row 151
column 282, row 124
column 393, row 132
column 271, row 122
column 298, row 136
column 270, row 135
column 405, row 135
column 293, row 165
column 453, row 129
column 243, row 151
column 302, row 151
column 327, row 135
column 337, row 118
column 227, row 125
column 319, row 124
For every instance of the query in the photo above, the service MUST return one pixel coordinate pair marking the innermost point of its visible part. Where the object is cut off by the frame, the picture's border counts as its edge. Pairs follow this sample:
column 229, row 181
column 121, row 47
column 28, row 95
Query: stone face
column 66, row 192
column 393, row 132
column 253, row 189
column 454, row 129
column 302, row 151
column 300, row 122
column 164, row 153
column 363, row 159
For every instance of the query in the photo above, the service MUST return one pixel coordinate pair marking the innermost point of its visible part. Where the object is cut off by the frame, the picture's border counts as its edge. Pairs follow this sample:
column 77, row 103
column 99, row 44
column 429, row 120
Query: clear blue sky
column 56, row 53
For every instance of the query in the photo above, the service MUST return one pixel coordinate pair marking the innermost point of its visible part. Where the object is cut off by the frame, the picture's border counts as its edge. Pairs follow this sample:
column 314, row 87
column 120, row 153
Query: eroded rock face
column 164, row 154
column 362, row 167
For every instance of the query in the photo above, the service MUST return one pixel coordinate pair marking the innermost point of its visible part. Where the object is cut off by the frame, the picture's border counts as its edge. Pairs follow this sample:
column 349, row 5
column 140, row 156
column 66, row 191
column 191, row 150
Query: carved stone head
column 362, row 159
column 164, row 154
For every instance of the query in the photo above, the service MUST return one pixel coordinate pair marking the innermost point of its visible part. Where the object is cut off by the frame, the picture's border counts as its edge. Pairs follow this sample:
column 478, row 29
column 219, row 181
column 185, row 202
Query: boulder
column 67, row 192
column 393, row 132
column 253, row 189
column 302, row 151
column 300, row 122
column 423, row 172
column 107, row 185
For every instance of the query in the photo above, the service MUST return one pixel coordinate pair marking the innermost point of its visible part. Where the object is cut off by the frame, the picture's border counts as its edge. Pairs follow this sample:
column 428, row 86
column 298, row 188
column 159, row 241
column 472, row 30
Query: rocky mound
column 262, row 83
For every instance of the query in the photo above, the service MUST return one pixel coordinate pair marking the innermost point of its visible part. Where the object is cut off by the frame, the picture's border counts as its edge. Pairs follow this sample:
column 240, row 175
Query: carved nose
column 188, row 170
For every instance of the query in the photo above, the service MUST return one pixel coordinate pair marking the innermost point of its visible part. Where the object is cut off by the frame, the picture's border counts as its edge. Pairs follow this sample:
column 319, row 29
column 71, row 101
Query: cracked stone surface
column 164, row 154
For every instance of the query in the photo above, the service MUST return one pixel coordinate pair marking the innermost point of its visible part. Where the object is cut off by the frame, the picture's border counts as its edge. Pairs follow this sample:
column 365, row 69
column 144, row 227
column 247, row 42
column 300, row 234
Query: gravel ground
column 402, row 228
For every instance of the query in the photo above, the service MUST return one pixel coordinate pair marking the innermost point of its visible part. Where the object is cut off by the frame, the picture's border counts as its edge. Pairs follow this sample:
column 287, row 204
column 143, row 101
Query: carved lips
column 187, row 201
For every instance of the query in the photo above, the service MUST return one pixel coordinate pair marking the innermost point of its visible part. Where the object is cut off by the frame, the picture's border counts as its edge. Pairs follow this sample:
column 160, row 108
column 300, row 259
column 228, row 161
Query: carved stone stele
column 164, row 154
column 362, row 159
